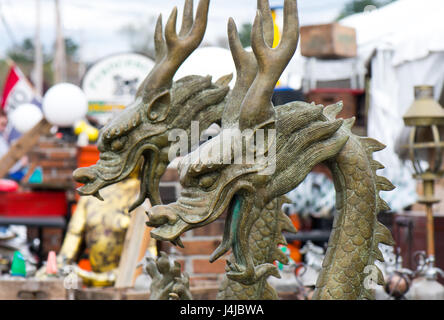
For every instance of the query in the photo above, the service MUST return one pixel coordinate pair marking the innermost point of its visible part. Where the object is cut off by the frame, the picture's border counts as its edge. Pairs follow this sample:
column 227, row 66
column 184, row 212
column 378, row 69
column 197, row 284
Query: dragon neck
column 353, row 245
column 265, row 236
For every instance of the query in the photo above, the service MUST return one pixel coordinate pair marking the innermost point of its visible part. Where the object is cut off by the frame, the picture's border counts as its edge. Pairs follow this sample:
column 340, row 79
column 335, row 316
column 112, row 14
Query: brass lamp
column 426, row 153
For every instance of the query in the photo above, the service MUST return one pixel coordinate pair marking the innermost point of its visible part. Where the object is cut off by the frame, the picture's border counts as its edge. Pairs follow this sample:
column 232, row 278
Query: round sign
column 116, row 79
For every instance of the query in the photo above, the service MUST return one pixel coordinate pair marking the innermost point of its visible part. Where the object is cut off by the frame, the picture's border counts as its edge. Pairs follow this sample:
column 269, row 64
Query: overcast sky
column 95, row 24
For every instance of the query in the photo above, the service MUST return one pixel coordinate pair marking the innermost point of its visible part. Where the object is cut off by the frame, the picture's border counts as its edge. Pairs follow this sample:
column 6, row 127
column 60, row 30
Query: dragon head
column 142, row 130
column 221, row 176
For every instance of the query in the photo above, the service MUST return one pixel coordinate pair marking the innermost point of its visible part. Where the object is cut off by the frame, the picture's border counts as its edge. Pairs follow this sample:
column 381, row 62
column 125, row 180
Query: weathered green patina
column 140, row 132
column 303, row 135
column 168, row 282
column 160, row 106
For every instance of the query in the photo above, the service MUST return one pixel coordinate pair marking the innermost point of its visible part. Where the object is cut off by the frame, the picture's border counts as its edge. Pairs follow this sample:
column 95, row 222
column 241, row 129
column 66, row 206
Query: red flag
column 10, row 82
column 17, row 90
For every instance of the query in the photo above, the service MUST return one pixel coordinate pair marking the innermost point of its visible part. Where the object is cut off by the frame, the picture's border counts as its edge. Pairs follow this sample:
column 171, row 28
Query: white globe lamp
column 64, row 104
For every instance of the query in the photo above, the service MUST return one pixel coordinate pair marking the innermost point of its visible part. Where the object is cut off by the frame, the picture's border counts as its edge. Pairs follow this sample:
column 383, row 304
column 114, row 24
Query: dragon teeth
column 98, row 196
column 179, row 242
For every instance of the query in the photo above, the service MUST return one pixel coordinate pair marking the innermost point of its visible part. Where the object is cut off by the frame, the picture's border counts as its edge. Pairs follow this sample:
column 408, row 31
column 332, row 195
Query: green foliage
column 358, row 6
column 245, row 34
column 24, row 52
column 71, row 47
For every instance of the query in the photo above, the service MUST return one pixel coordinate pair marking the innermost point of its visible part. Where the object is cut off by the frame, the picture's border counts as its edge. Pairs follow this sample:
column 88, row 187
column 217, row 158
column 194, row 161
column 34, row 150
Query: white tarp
column 405, row 43
column 409, row 52
column 412, row 28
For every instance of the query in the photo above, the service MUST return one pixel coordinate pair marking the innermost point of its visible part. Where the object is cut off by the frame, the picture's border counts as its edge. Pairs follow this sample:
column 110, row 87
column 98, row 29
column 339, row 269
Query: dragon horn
column 173, row 49
column 187, row 19
column 257, row 107
column 246, row 64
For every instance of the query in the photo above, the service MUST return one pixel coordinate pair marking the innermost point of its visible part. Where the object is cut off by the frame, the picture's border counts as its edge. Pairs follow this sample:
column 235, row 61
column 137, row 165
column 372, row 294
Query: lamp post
column 426, row 153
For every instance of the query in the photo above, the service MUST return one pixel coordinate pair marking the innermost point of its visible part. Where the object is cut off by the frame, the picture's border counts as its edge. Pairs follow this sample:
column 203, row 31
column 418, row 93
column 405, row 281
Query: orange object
column 295, row 245
column 51, row 264
column 86, row 156
column 84, row 264
column 294, row 252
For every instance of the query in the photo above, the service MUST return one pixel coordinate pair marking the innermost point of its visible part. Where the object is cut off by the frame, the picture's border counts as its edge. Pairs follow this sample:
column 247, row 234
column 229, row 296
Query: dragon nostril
column 160, row 215
column 84, row 175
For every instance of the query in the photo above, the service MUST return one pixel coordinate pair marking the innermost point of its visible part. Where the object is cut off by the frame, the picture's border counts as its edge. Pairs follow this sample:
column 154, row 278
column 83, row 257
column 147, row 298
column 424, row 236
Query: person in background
column 19, row 240
column 4, row 146
column 18, row 171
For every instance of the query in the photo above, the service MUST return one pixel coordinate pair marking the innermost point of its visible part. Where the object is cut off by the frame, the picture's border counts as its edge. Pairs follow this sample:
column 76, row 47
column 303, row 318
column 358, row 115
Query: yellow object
column 277, row 35
column 79, row 127
column 95, row 279
column 101, row 226
column 91, row 132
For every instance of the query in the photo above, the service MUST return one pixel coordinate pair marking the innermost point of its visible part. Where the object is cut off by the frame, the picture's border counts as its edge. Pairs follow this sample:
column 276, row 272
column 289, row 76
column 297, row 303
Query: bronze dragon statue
column 168, row 282
column 298, row 136
column 140, row 133
column 266, row 232
column 142, row 129
column 206, row 104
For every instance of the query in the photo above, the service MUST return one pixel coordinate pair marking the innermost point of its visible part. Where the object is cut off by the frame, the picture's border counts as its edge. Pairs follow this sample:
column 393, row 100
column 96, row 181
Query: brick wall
column 52, row 239
column 199, row 243
column 57, row 160
column 353, row 104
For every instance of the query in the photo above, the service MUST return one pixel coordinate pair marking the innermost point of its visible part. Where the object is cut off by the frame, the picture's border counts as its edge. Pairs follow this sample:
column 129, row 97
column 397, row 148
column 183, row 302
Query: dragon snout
column 160, row 215
column 84, row 175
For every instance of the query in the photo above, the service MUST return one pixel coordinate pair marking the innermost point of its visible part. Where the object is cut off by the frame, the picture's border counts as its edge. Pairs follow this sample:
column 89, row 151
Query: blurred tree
column 245, row 34
column 358, row 6
column 72, row 48
column 22, row 53
column 140, row 36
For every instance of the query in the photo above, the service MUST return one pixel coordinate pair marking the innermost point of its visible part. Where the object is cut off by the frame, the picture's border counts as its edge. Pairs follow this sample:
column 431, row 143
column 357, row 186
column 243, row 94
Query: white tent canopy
column 412, row 29
column 404, row 41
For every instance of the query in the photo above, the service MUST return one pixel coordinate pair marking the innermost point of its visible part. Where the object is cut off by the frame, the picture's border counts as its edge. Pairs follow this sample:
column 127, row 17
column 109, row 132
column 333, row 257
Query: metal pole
column 60, row 54
column 430, row 231
column 38, row 63
column 429, row 186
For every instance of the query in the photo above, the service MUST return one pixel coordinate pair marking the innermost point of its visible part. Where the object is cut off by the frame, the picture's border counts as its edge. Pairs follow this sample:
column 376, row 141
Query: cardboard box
column 328, row 41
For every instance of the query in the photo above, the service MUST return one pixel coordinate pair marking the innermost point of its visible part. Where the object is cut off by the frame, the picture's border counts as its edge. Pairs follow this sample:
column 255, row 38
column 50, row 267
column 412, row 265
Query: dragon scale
column 356, row 233
column 265, row 236
column 304, row 135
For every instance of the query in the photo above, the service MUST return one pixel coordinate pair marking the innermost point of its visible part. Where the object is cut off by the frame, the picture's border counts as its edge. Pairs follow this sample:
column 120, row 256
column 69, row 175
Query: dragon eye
column 208, row 180
column 118, row 144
